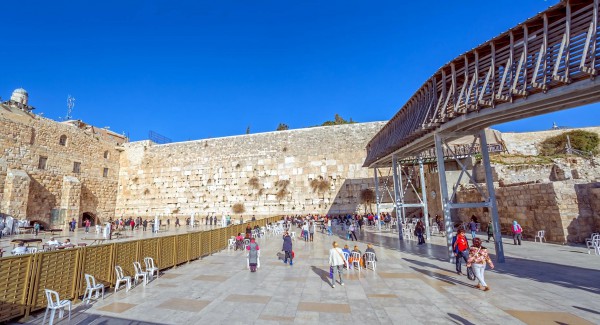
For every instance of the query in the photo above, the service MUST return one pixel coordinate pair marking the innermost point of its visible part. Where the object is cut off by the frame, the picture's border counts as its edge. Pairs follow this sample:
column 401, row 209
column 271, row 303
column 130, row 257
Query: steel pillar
column 493, row 206
column 377, row 198
column 444, row 194
column 397, row 197
column 424, row 198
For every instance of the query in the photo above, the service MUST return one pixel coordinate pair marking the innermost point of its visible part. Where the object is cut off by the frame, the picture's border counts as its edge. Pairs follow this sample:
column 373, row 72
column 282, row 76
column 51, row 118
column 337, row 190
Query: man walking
column 460, row 245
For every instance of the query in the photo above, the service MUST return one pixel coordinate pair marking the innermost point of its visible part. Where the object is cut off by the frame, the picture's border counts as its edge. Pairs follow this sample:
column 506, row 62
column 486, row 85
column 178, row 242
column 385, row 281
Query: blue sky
column 199, row 69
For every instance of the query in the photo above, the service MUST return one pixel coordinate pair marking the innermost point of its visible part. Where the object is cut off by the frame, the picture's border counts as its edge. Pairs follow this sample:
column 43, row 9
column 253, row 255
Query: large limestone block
column 16, row 193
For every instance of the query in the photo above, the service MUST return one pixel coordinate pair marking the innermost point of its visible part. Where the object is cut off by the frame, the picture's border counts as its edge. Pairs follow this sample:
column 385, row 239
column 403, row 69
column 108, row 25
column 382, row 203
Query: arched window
column 106, row 154
column 63, row 140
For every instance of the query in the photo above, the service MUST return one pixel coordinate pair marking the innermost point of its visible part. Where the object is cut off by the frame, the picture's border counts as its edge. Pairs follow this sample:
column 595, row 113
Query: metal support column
column 489, row 181
column 377, row 198
column 424, row 198
column 399, row 166
column 397, row 195
column 439, row 150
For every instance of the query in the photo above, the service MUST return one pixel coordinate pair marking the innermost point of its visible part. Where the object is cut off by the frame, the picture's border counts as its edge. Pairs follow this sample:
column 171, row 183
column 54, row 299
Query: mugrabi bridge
column 545, row 64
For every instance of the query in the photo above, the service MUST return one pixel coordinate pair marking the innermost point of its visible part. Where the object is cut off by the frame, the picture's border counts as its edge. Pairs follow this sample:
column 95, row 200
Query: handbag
column 471, row 273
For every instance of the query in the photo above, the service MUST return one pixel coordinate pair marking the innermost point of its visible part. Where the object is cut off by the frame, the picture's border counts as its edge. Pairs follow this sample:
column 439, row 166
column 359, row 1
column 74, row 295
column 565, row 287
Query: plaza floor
column 538, row 284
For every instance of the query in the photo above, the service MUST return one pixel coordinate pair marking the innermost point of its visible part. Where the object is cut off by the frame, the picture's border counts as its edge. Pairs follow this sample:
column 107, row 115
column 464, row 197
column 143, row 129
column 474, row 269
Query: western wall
column 53, row 171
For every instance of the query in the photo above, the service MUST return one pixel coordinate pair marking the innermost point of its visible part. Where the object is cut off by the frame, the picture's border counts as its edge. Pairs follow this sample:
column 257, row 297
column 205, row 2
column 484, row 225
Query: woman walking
column 420, row 231
column 336, row 262
column 253, row 255
column 351, row 232
column 478, row 258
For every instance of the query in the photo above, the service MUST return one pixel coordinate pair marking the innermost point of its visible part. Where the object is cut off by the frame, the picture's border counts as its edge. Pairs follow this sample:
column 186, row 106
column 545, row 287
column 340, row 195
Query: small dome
column 20, row 96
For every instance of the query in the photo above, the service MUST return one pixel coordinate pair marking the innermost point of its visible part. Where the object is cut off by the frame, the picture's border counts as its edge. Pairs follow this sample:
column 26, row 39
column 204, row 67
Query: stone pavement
column 539, row 284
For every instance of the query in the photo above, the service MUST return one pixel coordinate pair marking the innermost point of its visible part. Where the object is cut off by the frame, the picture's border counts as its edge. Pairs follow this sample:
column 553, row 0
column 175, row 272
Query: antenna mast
column 70, row 105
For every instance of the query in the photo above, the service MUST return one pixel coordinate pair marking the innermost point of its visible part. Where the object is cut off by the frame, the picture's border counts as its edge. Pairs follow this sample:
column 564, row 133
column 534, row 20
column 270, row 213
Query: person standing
column 351, row 231
column 478, row 258
column 311, row 229
column 287, row 248
column 144, row 224
column 36, row 228
column 329, row 232
column 517, row 232
column 420, row 230
column 176, row 222
column 490, row 231
column 336, row 262
column 460, row 245
column 132, row 224
column 305, row 231
column 253, row 250
column 473, row 228
column 87, row 224
column 169, row 223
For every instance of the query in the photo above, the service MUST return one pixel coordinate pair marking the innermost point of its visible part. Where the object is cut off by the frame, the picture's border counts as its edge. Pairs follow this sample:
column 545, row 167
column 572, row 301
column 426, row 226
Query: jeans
column 517, row 238
column 473, row 234
column 329, row 233
column 340, row 271
column 461, row 255
column 479, row 269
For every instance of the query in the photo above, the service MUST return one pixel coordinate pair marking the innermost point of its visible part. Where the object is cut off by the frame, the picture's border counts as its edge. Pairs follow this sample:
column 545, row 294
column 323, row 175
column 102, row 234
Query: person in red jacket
column 460, row 245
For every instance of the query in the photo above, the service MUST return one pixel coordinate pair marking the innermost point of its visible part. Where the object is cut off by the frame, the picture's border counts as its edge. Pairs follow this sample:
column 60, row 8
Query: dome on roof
column 20, row 96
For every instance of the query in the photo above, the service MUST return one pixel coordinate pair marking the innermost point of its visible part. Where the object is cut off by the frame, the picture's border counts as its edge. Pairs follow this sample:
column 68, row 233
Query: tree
column 338, row 120
column 367, row 197
column 282, row 127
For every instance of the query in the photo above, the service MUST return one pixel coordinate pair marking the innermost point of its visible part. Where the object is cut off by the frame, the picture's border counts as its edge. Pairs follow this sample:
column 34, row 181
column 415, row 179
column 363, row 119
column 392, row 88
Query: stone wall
column 269, row 173
column 43, row 192
column 566, row 210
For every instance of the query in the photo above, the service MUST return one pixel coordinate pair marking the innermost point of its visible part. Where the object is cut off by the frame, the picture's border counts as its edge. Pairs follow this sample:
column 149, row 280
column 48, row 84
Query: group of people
column 338, row 262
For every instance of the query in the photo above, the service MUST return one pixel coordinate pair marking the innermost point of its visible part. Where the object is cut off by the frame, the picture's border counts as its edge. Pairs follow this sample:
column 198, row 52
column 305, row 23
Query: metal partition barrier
column 16, row 274
column 24, row 278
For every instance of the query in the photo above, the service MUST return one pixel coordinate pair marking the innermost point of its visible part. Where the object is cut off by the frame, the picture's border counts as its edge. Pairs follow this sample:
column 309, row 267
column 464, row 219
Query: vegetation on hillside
column 580, row 140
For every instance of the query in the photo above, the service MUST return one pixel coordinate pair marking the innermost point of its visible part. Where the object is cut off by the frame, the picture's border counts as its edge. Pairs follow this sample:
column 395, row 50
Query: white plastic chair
column 346, row 257
column 32, row 250
column 540, row 235
column 90, row 287
column 293, row 235
column 231, row 243
column 356, row 260
column 122, row 279
column 593, row 243
column 139, row 273
column 150, row 267
column 54, row 303
column 370, row 259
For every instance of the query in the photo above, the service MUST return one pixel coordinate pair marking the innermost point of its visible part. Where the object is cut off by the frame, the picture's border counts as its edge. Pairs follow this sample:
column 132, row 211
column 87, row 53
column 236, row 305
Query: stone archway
column 94, row 220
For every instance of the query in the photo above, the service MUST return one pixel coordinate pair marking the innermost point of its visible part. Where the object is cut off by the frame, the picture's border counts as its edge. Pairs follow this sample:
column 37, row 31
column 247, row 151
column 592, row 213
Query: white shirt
column 336, row 256
column 53, row 242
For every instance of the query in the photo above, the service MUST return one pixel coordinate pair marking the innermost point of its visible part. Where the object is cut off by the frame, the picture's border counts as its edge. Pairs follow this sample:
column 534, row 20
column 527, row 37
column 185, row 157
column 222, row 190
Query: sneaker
column 291, row 263
column 342, row 283
column 333, row 286
column 478, row 286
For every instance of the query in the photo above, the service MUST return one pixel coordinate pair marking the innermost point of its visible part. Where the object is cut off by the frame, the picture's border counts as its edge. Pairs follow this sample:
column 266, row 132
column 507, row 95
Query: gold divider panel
column 182, row 243
column 97, row 261
column 218, row 240
column 223, row 239
column 205, row 243
column 125, row 254
column 149, row 248
column 167, row 249
column 195, row 250
column 15, row 280
column 58, row 271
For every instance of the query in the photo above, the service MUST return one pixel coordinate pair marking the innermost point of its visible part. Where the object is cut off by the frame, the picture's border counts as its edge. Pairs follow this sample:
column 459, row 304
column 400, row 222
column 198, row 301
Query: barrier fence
column 23, row 278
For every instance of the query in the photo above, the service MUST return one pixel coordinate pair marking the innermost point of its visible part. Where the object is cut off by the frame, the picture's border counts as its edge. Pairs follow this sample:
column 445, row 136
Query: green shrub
column 580, row 140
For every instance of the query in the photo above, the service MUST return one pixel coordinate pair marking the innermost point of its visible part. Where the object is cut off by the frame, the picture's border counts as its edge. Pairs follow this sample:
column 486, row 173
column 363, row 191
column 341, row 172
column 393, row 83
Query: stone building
column 52, row 172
